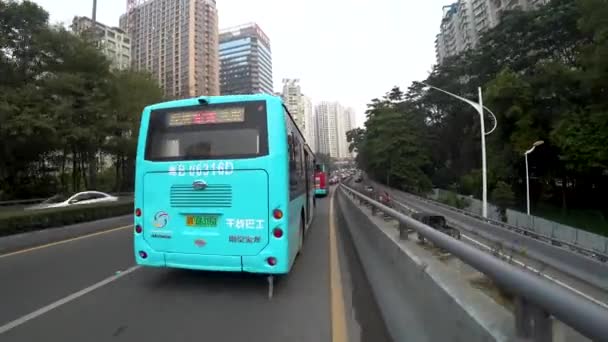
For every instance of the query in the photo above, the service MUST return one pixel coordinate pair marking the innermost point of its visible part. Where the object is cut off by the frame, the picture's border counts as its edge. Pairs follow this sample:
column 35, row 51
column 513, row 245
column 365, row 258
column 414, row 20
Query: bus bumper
column 320, row 192
column 223, row 263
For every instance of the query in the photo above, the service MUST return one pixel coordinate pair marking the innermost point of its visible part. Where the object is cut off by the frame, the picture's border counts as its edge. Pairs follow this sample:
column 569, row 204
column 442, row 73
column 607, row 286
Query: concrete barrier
column 40, row 237
column 421, row 299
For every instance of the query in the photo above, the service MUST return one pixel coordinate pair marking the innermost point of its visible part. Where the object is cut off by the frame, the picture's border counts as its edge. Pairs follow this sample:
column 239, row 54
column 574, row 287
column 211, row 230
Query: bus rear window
column 218, row 131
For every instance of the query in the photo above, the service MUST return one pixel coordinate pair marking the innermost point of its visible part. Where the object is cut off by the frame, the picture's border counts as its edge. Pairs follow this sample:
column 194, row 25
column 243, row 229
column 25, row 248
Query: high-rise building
column 322, row 128
column 113, row 42
column 457, row 32
column 328, row 128
column 464, row 21
column 292, row 97
column 333, row 121
column 310, row 126
column 177, row 42
column 245, row 61
column 346, row 123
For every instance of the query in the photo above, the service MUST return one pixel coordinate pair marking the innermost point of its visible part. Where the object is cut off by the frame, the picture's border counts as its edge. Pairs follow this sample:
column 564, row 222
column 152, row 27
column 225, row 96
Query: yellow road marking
column 64, row 241
column 338, row 314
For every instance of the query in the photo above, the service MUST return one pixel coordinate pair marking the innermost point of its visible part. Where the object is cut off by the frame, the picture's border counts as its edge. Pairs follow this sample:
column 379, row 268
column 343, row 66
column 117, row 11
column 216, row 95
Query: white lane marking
column 65, row 300
column 557, row 281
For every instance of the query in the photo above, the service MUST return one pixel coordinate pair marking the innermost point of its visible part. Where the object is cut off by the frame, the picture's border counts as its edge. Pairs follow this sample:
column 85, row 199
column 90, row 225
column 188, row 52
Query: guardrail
column 536, row 299
column 599, row 255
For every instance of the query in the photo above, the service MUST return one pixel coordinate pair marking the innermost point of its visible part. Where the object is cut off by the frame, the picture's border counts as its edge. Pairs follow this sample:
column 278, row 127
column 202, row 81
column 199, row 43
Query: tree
column 544, row 75
column 62, row 108
column 391, row 146
column 132, row 91
column 503, row 197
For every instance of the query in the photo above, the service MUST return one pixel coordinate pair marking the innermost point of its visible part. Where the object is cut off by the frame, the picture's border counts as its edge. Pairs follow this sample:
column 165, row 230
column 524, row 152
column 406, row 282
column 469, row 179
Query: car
column 437, row 222
column 385, row 198
column 85, row 197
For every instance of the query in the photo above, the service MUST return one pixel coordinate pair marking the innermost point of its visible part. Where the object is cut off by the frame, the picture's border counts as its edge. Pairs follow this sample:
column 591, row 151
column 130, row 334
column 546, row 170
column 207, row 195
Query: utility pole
column 94, row 16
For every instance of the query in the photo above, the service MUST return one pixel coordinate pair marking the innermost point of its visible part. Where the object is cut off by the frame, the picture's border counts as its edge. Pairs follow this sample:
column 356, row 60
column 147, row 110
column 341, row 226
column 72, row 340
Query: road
column 89, row 289
column 485, row 233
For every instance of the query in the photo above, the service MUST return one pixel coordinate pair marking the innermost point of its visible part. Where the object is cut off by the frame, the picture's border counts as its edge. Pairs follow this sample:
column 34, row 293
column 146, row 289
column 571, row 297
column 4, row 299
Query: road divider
column 32, row 220
column 400, row 279
column 14, row 244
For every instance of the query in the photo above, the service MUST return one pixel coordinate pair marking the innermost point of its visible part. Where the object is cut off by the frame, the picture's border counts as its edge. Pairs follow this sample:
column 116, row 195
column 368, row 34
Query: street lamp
column 479, row 107
column 537, row 143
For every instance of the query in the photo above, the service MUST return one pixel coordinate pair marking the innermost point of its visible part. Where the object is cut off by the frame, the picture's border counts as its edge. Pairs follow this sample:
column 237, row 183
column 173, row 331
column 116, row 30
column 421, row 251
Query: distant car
column 437, row 222
column 85, row 197
column 385, row 199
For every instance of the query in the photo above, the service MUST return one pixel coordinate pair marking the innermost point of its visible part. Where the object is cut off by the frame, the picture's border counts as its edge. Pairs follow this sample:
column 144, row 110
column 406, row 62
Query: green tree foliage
column 392, row 148
column 503, row 197
column 544, row 73
column 63, row 111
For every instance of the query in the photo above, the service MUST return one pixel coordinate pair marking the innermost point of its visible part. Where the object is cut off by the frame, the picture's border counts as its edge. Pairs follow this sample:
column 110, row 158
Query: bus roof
column 193, row 101
column 211, row 99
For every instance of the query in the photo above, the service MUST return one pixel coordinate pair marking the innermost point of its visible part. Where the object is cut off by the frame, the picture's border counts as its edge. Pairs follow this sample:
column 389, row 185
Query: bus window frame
column 264, row 149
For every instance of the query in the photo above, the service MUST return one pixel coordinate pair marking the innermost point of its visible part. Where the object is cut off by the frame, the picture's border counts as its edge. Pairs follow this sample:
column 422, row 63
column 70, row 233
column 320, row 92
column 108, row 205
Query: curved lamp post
column 537, row 143
column 479, row 107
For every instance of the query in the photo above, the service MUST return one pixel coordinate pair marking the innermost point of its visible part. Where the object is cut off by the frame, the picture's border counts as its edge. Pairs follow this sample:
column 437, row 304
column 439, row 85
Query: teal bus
column 222, row 183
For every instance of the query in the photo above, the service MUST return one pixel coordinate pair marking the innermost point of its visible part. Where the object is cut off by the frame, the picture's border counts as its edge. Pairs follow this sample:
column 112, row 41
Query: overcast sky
column 341, row 50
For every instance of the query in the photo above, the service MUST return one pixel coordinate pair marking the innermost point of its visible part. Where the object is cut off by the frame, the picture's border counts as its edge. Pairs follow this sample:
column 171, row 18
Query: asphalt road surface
column 89, row 289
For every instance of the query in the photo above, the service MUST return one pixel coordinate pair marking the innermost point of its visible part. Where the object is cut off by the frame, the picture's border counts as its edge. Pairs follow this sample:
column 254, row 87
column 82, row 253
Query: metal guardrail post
column 374, row 210
column 531, row 322
column 403, row 231
column 526, row 231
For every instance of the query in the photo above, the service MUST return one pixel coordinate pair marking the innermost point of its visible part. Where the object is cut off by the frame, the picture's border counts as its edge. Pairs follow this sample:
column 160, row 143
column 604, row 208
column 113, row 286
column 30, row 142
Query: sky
column 349, row 51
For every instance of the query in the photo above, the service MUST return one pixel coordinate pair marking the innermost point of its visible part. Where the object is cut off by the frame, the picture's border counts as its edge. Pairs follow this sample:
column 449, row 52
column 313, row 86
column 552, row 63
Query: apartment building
column 177, row 42
column 292, row 97
column 113, row 41
column 310, row 124
column 464, row 21
column 332, row 122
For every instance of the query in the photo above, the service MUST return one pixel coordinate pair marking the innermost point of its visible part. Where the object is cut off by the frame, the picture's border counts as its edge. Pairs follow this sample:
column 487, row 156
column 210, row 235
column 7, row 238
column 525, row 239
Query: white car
column 85, row 197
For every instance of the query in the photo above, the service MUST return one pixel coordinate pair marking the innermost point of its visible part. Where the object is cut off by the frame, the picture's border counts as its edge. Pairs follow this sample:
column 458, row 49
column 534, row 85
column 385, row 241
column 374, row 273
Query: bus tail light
column 143, row 254
column 277, row 232
column 271, row 261
column 138, row 229
column 277, row 214
column 138, row 212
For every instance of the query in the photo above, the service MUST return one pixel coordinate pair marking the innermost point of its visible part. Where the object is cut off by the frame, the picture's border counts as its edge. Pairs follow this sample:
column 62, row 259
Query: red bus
column 321, row 181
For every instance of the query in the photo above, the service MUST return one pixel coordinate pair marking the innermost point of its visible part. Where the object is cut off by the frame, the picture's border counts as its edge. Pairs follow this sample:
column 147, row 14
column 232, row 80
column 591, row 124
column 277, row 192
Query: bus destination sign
column 204, row 117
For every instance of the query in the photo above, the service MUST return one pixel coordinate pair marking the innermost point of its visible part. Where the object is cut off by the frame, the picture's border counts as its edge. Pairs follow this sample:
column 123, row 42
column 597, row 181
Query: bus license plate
column 204, row 221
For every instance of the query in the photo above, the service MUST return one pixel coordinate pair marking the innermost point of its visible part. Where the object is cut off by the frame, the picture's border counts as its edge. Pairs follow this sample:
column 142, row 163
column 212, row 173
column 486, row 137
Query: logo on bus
column 200, row 242
column 161, row 219
column 199, row 185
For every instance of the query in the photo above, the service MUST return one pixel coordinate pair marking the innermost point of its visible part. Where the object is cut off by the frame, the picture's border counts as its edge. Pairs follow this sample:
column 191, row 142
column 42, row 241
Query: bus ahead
column 321, row 181
column 222, row 183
